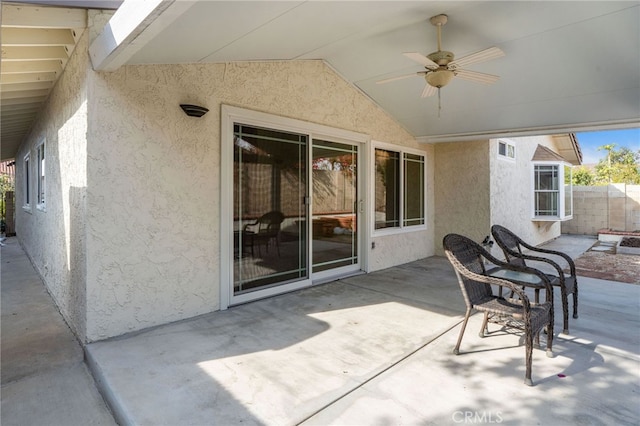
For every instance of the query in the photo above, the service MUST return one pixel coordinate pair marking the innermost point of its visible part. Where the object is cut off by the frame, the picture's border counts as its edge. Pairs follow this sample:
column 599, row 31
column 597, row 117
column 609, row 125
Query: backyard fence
column 615, row 207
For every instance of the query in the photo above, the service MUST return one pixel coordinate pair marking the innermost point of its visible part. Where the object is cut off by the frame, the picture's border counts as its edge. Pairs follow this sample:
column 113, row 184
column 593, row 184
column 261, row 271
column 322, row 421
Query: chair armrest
column 515, row 288
column 545, row 260
column 566, row 257
column 244, row 228
column 501, row 282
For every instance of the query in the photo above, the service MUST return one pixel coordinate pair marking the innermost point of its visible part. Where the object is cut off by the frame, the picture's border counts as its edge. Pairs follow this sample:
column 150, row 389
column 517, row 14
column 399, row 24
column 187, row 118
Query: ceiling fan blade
column 476, row 76
column 475, row 58
column 429, row 90
column 401, row 77
column 422, row 60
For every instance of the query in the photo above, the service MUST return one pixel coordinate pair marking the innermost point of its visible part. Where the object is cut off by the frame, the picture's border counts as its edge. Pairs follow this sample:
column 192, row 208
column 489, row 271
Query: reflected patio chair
column 264, row 230
column 472, row 265
column 512, row 246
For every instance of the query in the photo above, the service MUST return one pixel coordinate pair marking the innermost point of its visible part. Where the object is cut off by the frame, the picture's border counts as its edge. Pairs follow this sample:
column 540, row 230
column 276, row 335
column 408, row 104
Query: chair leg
column 485, row 325
column 528, row 355
column 550, row 335
column 565, row 310
column 456, row 350
column 575, row 298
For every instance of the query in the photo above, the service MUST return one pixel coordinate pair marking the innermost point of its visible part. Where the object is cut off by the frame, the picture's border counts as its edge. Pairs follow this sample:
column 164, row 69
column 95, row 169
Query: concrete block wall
column 633, row 207
column 615, row 206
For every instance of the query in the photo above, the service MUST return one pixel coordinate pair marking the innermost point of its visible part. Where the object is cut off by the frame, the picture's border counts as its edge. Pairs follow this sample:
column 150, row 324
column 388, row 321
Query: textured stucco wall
column 462, row 183
column 153, row 206
column 512, row 191
column 55, row 239
column 476, row 189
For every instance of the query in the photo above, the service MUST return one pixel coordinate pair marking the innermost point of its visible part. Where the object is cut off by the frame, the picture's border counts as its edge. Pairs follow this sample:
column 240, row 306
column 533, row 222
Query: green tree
column 619, row 166
column 583, row 176
column 6, row 184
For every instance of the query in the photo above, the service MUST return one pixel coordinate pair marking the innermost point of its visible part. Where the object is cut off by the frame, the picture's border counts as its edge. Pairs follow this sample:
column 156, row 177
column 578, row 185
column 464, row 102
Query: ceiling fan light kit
column 441, row 66
column 439, row 78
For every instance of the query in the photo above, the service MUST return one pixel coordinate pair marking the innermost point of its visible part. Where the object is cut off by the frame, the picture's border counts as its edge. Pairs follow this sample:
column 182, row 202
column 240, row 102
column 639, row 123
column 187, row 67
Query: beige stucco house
column 137, row 214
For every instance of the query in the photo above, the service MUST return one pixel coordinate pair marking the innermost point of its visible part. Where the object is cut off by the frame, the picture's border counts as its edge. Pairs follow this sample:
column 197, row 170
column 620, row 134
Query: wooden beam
column 16, row 116
column 28, row 94
column 19, row 108
column 20, row 67
column 23, row 16
column 130, row 28
column 35, row 100
column 35, row 53
column 16, row 127
column 29, row 77
column 36, row 37
column 25, row 87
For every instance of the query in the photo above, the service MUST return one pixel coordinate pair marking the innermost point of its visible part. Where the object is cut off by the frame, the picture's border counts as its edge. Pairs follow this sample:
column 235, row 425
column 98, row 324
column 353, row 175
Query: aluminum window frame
column 560, row 190
column 402, row 227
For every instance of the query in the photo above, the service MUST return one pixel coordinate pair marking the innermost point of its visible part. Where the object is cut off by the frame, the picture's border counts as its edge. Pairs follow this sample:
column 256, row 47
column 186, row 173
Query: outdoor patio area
column 376, row 349
column 372, row 350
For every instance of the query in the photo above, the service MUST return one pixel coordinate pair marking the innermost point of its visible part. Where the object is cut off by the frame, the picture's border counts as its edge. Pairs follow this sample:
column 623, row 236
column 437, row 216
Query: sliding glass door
column 295, row 211
column 269, row 208
column 335, row 206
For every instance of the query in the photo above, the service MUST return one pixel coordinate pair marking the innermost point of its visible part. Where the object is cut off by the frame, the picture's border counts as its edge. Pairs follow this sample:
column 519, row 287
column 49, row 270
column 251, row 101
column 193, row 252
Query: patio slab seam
column 379, row 373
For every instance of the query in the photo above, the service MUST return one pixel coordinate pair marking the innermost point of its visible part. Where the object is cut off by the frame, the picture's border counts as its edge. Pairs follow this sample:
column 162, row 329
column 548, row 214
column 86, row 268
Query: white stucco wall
column 512, row 191
column 54, row 238
column 153, row 174
column 462, row 182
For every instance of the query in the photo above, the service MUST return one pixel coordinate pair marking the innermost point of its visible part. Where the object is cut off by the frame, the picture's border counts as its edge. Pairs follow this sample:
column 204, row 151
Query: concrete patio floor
column 373, row 349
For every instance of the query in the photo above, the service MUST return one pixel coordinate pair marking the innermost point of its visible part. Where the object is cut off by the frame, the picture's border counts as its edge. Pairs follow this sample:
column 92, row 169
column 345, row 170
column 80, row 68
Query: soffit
column 543, row 153
column 37, row 37
column 568, row 147
column 36, row 45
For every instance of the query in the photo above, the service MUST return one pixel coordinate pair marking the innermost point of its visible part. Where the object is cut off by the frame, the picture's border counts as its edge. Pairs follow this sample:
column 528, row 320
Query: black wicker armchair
column 263, row 230
column 512, row 246
column 473, row 266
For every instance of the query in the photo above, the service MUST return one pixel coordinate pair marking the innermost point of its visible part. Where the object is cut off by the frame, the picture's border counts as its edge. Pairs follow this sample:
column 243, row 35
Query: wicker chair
column 512, row 247
column 264, row 229
column 468, row 259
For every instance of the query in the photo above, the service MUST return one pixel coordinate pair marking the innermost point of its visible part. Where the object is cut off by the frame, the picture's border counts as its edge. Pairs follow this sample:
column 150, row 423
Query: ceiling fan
column 441, row 66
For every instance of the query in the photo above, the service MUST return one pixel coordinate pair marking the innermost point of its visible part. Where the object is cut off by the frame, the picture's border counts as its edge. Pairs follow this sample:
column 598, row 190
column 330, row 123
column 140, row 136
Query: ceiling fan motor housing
column 441, row 57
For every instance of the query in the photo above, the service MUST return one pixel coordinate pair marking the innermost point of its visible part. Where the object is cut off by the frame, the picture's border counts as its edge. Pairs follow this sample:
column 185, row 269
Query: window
column 568, row 191
column 413, row 190
column 27, row 183
column 506, row 149
column 387, row 187
column 399, row 199
column 41, row 177
column 552, row 191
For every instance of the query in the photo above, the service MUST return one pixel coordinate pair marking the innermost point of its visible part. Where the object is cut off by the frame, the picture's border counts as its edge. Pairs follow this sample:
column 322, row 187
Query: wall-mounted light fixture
column 194, row 110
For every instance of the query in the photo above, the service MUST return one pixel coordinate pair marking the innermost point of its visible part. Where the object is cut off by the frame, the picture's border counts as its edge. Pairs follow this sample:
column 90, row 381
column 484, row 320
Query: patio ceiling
column 569, row 66
column 37, row 40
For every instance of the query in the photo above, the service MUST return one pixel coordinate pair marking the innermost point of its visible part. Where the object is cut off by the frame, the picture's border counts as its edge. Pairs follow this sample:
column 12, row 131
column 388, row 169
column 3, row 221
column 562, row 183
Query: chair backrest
column 270, row 222
column 509, row 243
column 467, row 255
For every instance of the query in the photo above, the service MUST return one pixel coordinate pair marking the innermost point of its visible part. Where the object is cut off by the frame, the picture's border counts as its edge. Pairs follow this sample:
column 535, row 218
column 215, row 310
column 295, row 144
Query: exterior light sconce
column 194, row 110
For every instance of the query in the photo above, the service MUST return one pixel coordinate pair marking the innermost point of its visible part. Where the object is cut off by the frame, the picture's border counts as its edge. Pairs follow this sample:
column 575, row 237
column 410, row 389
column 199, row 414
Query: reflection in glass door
column 269, row 210
column 335, row 206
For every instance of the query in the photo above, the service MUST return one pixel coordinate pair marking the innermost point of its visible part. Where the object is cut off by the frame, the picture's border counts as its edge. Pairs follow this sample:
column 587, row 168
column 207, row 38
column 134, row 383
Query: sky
column 591, row 141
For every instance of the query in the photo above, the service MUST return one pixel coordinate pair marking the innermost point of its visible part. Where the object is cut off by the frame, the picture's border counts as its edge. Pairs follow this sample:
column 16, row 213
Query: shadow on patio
column 375, row 349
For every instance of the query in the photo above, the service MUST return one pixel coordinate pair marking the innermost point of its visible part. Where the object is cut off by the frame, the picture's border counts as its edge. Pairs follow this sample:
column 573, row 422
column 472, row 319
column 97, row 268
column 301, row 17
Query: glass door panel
column 269, row 210
column 334, row 206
